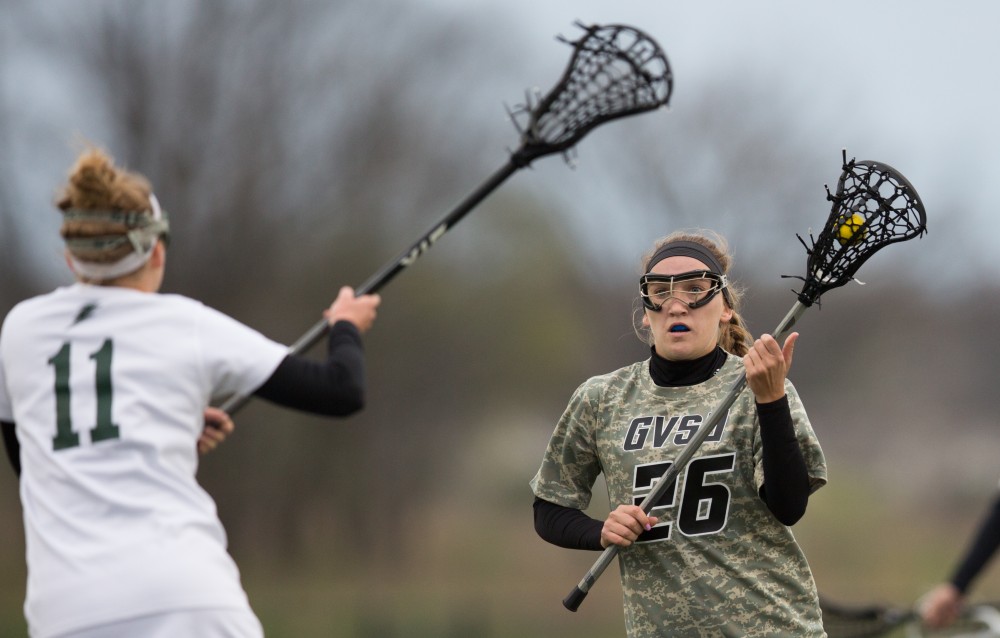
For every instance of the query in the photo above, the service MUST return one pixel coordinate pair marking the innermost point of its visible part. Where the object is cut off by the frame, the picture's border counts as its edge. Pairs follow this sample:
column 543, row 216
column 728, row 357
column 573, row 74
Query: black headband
column 686, row 249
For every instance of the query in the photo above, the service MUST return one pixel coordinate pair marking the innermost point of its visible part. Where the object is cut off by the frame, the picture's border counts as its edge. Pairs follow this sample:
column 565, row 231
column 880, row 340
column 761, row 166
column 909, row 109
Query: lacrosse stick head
column 615, row 71
column 874, row 206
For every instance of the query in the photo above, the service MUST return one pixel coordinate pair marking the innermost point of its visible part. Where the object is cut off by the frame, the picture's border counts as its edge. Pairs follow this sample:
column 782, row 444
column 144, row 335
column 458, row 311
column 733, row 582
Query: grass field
column 487, row 575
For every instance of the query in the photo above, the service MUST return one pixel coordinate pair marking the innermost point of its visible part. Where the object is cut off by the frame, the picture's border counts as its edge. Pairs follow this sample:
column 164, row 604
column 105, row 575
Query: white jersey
column 108, row 387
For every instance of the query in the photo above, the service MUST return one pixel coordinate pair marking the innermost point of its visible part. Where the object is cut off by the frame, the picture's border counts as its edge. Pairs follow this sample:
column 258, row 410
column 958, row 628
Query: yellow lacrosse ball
column 847, row 230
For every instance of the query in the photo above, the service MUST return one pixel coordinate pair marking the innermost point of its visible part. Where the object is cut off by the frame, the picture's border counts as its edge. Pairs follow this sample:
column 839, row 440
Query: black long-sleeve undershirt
column 567, row 526
column 784, row 466
column 334, row 386
column 11, row 445
column 786, row 478
column 980, row 551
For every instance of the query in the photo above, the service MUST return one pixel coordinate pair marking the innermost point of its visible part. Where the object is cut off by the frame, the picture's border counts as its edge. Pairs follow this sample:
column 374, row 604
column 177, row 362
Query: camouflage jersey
column 718, row 563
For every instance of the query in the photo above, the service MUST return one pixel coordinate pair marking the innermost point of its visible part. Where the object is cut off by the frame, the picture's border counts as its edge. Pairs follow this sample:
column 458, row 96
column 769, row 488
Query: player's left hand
column 767, row 367
column 218, row 426
column 941, row 606
column 360, row 310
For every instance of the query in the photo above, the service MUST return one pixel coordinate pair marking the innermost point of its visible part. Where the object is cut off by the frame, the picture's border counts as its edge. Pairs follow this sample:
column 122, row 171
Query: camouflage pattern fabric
column 718, row 563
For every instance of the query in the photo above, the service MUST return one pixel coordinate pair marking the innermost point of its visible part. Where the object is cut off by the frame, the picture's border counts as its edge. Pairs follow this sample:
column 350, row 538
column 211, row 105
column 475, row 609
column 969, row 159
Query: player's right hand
column 941, row 606
column 358, row 310
column 624, row 525
column 218, row 426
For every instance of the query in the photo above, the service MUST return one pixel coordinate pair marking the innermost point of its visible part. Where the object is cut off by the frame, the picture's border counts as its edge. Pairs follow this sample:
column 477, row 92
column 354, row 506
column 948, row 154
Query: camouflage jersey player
column 716, row 556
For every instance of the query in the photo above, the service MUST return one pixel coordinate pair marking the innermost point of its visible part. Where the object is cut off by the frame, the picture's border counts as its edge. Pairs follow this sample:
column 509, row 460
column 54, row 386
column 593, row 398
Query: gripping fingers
column 218, row 426
column 767, row 366
column 624, row 525
column 209, row 440
column 360, row 310
column 617, row 534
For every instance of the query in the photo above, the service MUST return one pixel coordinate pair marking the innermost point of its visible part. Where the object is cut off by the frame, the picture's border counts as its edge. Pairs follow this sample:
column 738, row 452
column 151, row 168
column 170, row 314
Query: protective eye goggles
column 695, row 288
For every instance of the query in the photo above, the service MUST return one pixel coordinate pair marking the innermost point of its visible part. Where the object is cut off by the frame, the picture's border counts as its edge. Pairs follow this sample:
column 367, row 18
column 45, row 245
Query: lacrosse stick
column 840, row 621
column 614, row 71
column 874, row 206
column 981, row 620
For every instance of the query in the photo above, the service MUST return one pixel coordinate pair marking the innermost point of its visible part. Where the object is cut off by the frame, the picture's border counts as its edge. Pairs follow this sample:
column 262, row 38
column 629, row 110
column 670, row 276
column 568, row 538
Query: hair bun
column 96, row 183
column 93, row 178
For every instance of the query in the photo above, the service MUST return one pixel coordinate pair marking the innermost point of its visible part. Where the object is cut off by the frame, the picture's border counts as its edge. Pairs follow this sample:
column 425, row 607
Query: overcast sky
column 916, row 80
column 911, row 83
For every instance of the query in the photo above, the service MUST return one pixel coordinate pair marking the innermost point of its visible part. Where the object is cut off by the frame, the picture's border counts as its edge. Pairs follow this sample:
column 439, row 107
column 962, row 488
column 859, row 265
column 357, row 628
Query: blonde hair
column 96, row 184
column 733, row 336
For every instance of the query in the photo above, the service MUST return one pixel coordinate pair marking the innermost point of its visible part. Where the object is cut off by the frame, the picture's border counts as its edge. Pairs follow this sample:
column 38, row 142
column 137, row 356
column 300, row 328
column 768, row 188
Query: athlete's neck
column 148, row 278
column 670, row 374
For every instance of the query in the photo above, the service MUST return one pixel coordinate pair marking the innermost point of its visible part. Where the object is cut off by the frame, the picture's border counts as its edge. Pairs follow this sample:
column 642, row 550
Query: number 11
column 65, row 436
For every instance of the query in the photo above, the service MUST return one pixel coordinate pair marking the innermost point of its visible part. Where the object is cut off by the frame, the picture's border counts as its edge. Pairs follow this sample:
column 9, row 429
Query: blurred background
column 300, row 146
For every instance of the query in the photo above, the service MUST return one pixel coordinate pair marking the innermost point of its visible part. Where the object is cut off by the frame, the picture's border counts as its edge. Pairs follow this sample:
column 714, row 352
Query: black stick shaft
column 575, row 598
column 397, row 265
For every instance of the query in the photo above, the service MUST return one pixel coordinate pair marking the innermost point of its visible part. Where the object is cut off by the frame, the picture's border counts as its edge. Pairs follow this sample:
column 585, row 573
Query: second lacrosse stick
column 615, row 71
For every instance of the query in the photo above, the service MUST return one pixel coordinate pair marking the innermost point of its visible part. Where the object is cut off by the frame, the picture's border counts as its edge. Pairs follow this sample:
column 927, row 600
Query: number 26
column 704, row 505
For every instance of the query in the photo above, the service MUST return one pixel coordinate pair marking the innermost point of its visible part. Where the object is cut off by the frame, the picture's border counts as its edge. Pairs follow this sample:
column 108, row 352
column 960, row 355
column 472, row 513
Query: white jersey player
column 105, row 383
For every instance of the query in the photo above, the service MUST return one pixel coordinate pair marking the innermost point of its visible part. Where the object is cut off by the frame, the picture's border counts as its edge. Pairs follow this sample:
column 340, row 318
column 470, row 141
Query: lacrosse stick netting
column 615, row 71
column 978, row 620
column 841, row 621
column 874, row 206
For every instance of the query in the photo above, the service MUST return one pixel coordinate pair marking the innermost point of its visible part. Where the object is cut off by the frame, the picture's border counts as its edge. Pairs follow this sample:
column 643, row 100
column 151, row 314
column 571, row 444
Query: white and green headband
column 145, row 227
